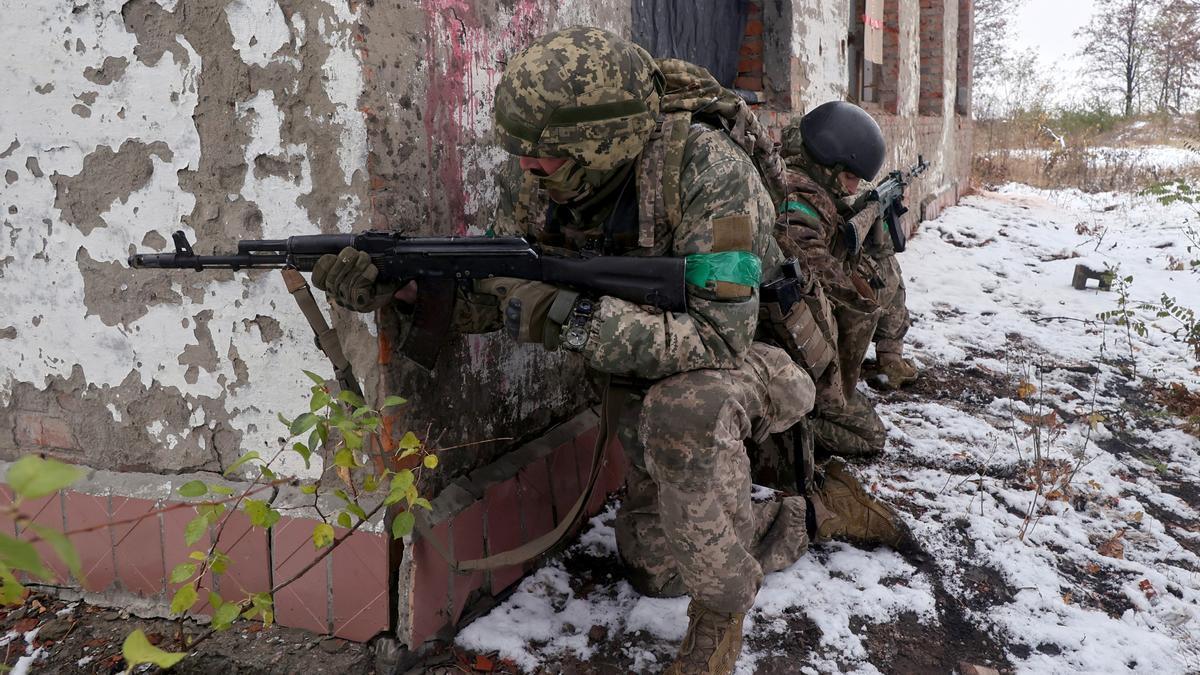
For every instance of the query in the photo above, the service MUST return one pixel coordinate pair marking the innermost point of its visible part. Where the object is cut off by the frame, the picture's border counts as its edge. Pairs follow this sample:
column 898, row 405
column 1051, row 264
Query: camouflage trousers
column 688, row 524
column 893, row 318
column 851, row 430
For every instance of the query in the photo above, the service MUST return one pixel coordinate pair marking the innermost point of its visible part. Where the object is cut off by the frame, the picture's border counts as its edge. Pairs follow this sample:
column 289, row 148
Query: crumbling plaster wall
column 818, row 45
column 805, row 64
column 431, row 69
column 120, row 122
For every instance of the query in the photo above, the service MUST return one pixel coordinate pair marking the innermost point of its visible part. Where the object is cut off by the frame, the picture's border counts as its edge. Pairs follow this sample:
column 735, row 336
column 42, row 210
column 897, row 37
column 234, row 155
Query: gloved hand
column 525, row 308
column 350, row 278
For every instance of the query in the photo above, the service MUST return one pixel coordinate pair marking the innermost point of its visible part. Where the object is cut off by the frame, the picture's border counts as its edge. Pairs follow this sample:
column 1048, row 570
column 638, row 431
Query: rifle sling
column 613, row 398
column 327, row 337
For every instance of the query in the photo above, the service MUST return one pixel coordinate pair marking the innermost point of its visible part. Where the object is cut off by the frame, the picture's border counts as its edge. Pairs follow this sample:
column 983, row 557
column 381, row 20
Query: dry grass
column 1091, row 152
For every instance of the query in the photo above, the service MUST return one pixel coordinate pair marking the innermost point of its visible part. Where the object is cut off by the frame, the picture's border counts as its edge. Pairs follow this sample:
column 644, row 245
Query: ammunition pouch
column 798, row 318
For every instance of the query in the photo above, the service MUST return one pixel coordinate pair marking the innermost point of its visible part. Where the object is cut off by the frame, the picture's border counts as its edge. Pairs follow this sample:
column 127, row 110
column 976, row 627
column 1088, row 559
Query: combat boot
column 843, row 510
column 712, row 644
column 896, row 370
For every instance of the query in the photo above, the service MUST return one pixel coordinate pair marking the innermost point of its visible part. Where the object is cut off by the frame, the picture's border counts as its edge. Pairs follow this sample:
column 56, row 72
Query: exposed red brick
column 754, row 27
column 751, row 65
column 304, row 603
column 360, row 586
column 90, row 512
column 751, row 83
column 137, row 547
column 751, row 47
column 43, row 431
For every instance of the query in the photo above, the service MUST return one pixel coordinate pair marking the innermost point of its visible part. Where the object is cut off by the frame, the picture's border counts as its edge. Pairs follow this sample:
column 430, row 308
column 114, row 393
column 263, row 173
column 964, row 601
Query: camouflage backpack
column 691, row 94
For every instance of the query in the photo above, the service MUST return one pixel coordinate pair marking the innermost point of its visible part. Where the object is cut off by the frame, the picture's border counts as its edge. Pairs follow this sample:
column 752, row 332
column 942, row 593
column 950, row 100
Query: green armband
column 717, row 271
column 798, row 207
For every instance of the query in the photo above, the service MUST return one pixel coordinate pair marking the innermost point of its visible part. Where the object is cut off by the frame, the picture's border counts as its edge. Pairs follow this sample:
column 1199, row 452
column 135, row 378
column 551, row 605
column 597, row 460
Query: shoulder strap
column 614, row 398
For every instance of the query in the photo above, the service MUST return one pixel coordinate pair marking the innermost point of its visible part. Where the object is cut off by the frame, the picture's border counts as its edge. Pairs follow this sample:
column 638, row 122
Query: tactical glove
column 525, row 308
column 350, row 279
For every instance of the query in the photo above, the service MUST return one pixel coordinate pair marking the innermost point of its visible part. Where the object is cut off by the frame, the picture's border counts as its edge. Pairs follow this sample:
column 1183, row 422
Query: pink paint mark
column 458, row 49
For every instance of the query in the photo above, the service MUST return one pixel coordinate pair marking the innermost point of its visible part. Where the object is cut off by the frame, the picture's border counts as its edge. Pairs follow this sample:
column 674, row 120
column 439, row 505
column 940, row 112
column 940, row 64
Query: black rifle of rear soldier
column 890, row 193
column 439, row 264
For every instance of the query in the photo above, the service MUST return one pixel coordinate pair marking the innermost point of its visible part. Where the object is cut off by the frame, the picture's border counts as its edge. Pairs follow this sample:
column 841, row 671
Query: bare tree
column 991, row 36
column 1117, row 44
column 1174, row 52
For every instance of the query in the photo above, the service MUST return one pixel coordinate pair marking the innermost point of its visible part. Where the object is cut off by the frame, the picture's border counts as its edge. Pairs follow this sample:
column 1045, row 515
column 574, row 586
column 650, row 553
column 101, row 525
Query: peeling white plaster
column 275, row 196
column 42, row 291
column 818, row 42
column 259, row 29
column 344, row 83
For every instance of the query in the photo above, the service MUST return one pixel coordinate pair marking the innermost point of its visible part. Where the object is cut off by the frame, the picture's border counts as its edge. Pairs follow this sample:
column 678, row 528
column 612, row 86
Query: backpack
column 691, row 94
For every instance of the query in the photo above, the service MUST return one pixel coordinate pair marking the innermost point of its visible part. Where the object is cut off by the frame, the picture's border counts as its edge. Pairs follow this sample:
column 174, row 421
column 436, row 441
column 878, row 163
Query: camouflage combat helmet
column 580, row 93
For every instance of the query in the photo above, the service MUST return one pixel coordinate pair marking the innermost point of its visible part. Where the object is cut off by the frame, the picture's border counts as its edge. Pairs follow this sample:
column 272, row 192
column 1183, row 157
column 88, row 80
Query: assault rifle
column 890, row 194
column 440, row 264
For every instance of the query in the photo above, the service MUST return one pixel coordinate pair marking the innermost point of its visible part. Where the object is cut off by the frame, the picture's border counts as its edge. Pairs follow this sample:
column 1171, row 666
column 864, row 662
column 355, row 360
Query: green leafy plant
column 1125, row 315
column 338, row 427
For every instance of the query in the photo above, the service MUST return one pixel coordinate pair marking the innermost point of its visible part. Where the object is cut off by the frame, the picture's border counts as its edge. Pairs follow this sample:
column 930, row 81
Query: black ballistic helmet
column 842, row 134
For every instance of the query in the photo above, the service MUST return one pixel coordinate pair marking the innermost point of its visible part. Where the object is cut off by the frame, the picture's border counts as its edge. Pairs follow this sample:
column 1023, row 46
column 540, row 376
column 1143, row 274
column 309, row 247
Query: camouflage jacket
column 809, row 228
column 724, row 207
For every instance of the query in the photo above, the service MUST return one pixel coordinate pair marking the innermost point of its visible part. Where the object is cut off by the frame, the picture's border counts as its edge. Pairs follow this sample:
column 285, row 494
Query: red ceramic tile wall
column 504, row 529
column 250, row 560
column 564, row 476
column 467, row 531
column 87, row 516
column 46, row 511
column 430, row 587
column 536, row 498
column 360, row 586
column 137, row 546
column 7, row 526
column 305, row 602
column 175, row 549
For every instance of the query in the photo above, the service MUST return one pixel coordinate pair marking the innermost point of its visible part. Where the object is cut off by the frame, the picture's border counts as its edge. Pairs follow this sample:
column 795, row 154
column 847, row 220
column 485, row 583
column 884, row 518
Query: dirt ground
column 79, row 638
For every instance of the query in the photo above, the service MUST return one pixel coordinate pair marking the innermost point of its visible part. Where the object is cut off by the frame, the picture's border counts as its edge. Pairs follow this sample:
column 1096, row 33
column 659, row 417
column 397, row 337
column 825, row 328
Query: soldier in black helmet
column 829, row 224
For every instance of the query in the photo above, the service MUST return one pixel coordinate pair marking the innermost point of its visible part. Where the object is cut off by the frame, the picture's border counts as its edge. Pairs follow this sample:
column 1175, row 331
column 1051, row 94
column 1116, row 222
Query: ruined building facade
column 123, row 121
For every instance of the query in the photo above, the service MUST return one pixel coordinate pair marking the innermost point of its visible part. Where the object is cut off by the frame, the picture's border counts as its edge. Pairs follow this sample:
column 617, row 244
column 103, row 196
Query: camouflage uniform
column 810, row 228
column 705, row 386
column 702, row 387
column 879, row 265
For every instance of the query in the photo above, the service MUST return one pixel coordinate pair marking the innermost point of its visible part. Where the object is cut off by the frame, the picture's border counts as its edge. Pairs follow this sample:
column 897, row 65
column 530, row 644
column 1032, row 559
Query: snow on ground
column 1159, row 157
column 1095, row 572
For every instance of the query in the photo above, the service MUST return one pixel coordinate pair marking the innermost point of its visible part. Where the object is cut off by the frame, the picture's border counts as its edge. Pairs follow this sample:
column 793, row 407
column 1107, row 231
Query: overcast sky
column 1049, row 27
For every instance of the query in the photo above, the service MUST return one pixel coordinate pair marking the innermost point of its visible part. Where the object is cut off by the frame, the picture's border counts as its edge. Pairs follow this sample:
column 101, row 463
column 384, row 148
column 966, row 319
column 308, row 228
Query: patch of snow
column 989, row 286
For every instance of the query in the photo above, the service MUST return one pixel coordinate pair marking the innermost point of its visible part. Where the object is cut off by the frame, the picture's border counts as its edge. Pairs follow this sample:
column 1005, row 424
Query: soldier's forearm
column 626, row 339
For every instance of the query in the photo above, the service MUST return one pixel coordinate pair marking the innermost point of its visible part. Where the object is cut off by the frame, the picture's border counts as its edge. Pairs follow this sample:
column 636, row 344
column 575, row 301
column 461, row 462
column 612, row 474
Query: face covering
column 567, row 184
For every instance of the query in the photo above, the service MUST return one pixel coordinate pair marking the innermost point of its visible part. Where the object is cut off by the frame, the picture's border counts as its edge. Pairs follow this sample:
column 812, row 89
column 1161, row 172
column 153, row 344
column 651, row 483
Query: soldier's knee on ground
column 854, row 430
